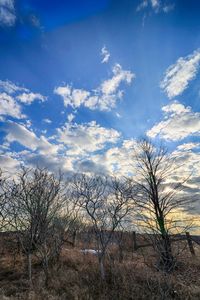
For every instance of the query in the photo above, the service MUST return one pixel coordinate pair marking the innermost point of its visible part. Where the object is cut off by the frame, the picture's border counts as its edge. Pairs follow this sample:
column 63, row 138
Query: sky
column 80, row 81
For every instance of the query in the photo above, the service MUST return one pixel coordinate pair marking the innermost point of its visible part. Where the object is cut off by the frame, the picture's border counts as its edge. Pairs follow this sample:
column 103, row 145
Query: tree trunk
column 74, row 238
column 166, row 257
column 167, row 260
column 46, row 271
column 102, row 269
column 30, row 268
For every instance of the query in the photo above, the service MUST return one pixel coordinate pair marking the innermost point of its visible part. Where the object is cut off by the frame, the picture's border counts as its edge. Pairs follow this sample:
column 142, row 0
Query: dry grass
column 77, row 277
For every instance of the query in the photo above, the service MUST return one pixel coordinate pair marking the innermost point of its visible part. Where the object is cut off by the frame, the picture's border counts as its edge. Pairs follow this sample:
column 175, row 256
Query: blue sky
column 81, row 80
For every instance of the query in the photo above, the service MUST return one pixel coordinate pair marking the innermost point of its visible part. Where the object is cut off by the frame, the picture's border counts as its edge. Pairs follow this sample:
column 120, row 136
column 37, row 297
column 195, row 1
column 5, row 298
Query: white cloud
column 28, row 98
column 11, row 95
column 70, row 117
column 117, row 161
column 168, row 8
column 176, row 108
column 188, row 146
column 51, row 162
column 178, row 76
column 103, row 98
column 9, row 107
column 156, row 5
column 7, row 13
column 105, row 55
column 110, row 86
column 143, row 4
column 48, row 121
column 85, row 138
column 118, row 115
column 8, row 163
column 10, row 87
column 180, row 122
column 72, row 97
column 19, row 133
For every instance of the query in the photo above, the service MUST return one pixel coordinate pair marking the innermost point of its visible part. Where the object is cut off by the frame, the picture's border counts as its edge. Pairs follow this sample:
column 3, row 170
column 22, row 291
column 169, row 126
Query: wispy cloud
column 105, row 55
column 48, row 121
column 10, row 87
column 70, row 117
column 179, row 123
column 156, row 5
column 103, row 98
column 178, row 75
column 7, row 13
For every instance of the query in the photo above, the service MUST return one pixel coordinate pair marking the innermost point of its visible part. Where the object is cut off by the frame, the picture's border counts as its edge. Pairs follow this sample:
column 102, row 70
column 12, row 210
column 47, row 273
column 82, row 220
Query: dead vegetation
column 77, row 276
column 72, row 238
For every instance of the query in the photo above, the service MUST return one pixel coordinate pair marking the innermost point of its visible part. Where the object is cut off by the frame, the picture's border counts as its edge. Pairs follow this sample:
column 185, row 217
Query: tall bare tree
column 3, row 203
column 158, row 196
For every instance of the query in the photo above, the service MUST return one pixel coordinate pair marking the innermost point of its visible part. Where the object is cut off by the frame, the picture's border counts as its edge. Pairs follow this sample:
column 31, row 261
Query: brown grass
column 77, row 277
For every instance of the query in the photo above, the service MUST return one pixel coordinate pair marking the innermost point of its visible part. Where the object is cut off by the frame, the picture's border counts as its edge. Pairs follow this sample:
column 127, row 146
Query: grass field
column 77, row 275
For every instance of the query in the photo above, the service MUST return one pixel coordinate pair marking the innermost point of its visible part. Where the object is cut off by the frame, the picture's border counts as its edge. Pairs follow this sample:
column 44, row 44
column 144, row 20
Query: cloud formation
column 19, row 133
column 105, row 55
column 7, row 13
column 103, row 98
column 178, row 75
column 12, row 96
column 179, row 122
column 156, row 5
column 81, row 139
column 28, row 98
column 9, row 107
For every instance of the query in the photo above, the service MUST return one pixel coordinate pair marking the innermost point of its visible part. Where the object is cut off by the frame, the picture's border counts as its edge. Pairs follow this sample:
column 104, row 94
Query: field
column 129, row 275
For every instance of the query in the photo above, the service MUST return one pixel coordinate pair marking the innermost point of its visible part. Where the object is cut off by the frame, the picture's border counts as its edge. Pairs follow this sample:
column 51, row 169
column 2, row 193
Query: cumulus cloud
column 105, row 55
column 85, row 138
column 8, row 163
column 28, row 98
column 49, row 161
column 72, row 97
column 9, row 107
column 117, row 161
column 7, row 13
column 19, row 133
column 103, row 98
column 12, row 96
column 178, row 75
column 89, row 166
column 179, row 122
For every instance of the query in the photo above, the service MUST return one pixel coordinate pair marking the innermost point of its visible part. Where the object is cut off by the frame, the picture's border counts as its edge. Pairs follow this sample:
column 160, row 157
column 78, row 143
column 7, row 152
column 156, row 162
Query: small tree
column 157, row 197
column 105, row 204
column 35, row 201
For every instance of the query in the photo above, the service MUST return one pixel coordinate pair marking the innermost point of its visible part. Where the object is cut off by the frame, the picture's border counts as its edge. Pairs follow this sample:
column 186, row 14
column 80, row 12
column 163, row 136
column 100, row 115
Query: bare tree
column 3, row 203
column 35, row 200
column 158, row 197
column 105, row 204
